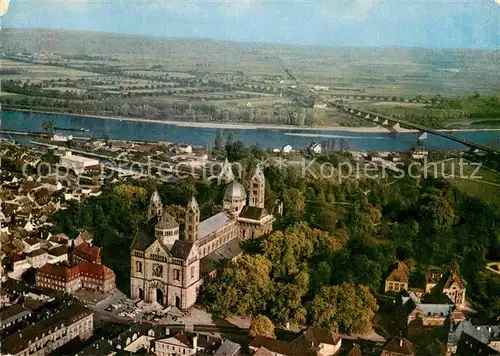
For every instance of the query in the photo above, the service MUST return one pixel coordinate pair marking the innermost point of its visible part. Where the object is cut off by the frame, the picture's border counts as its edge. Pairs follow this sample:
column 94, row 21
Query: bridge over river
column 395, row 123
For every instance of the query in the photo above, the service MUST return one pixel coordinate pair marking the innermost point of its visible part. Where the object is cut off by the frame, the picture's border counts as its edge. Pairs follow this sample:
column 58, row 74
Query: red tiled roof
column 183, row 338
column 12, row 257
column 262, row 351
column 59, row 238
column 95, row 270
column 278, row 346
column 59, row 271
column 355, row 351
column 401, row 346
column 93, row 251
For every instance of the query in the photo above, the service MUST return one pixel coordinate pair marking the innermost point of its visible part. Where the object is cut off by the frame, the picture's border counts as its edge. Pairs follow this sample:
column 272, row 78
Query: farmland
column 206, row 80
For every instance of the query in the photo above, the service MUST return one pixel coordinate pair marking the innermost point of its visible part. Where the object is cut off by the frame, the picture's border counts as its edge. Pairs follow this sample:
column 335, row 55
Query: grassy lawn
column 483, row 184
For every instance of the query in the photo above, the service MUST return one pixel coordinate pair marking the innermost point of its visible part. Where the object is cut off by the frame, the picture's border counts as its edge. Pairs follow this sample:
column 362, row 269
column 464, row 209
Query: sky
column 362, row 23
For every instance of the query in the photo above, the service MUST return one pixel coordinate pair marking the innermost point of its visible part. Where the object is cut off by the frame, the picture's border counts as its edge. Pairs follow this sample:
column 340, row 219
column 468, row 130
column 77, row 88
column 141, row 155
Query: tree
column 219, row 141
column 48, row 127
column 237, row 151
column 243, row 288
column 263, row 326
column 348, row 308
column 229, row 138
column 294, row 204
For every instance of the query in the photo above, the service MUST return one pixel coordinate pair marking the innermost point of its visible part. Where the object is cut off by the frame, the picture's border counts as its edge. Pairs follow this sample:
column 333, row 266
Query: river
column 264, row 137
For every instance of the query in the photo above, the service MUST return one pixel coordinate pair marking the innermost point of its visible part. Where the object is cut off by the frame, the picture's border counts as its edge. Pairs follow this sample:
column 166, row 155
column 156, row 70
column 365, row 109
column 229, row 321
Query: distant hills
column 98, row 43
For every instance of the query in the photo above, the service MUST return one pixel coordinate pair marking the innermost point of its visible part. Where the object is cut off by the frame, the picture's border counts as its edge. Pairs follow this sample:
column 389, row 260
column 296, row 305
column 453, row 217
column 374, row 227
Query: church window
column 192, row 272
column 177, row 275
column 139, row 267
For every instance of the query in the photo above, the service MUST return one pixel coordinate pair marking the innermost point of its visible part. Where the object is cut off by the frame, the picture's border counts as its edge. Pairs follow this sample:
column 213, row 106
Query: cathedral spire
column 192, row 221
column 257, row 188
column 155, row 209
column 226, row 174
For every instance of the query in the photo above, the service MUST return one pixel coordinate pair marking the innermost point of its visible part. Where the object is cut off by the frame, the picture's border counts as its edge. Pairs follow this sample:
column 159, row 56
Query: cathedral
column 170, row 270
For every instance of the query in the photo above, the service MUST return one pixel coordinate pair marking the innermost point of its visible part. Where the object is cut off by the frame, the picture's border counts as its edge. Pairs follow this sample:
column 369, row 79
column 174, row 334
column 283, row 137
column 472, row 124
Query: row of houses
column 162, row 341
column 49, row 331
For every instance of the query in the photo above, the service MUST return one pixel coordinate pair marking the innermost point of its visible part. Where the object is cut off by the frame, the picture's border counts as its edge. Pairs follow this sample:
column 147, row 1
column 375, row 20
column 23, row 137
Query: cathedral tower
column 155, row 209
column 257, row 189
column 192, row 221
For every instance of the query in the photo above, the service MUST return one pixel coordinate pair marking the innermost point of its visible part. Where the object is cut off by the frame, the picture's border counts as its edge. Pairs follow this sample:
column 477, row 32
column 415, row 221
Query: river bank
column 244, row 126
column 373, row 139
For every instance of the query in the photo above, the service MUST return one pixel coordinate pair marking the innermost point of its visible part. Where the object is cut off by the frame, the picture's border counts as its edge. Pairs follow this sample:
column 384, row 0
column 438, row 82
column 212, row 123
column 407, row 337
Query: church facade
column 169, row 270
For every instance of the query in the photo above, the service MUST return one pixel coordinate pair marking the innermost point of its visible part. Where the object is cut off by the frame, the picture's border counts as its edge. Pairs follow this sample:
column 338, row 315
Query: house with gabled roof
column 312, row 342
column 468, row 339
column 398, row 346
column 178, row 344
column 398, row 279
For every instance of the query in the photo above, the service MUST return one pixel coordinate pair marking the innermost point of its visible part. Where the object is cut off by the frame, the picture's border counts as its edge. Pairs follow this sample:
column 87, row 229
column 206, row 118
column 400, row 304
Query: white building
column 315, row 148
column 287, row 149
column 41, row 338
column 185, row 148
column 178, row 344
column 320, row 106
column 419, row 153
column 78, row 163
column 61, row 138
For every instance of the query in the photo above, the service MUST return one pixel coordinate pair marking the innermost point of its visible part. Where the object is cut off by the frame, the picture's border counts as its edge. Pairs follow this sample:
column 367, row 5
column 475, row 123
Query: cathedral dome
column 235, row 190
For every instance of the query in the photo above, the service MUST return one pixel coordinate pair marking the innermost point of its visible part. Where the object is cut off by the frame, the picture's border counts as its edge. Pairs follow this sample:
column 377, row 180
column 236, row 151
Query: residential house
column 315, row 148
column 83, row 236
column 37, row 258
column 418, row 153
column 313, row 342
column 58, row 239
column 58, row 254
column 430, row 314
column 179, row 344
column 468, row 339
column 397, row 280
column 286, row 149
column 320, row 106
column 14, row 315
column 398, row 346
column 448, row 283
column 228, row 348
column 183, row 148
column 32, row 243
column 156, row 340
column 85, row 252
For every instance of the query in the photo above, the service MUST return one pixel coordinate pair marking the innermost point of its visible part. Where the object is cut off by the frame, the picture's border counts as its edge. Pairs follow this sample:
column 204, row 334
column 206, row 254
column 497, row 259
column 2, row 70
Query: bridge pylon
column 422, row 135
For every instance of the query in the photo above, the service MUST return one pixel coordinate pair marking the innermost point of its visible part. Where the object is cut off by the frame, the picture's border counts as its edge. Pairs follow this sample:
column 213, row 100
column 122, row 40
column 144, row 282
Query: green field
column 229, row 75
column 483, row 184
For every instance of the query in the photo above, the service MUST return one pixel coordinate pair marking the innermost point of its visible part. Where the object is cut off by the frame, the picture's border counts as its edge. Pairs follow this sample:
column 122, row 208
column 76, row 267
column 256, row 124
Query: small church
column 169, row 270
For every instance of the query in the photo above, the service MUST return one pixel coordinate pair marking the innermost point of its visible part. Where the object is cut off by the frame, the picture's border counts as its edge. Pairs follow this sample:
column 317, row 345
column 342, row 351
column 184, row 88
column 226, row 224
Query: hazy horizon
column 359, row 23
column 256, row 43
